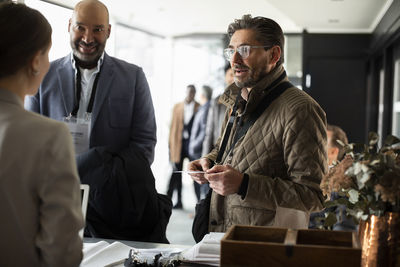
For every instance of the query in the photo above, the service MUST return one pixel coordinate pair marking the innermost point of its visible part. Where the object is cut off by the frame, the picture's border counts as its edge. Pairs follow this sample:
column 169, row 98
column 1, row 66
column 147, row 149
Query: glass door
column 396, row 91
column 381, row 106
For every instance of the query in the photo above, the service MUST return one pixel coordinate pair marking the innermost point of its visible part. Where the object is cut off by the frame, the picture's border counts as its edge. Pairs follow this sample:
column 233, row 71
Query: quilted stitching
column 285, row 157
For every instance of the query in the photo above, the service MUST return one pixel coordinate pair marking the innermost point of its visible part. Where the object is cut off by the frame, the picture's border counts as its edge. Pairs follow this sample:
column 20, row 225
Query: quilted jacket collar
column 256, row 94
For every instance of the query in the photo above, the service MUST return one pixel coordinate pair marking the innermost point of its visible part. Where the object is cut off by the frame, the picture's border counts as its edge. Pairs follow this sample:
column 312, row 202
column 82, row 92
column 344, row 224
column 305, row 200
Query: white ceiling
column 185, row 17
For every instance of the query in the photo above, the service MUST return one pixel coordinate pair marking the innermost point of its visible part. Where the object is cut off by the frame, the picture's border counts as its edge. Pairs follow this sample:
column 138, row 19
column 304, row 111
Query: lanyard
column 79, row 91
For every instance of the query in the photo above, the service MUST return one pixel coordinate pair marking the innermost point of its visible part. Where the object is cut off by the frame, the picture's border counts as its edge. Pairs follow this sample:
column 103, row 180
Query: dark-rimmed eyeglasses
column 243, row 50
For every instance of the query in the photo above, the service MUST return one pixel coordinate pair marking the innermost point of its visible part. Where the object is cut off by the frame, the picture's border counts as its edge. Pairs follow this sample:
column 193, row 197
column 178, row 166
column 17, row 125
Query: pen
column 189, row 172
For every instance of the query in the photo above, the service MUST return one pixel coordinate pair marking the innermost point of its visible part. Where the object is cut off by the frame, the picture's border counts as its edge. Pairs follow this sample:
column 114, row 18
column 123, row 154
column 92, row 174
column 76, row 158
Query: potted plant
column 368, row 183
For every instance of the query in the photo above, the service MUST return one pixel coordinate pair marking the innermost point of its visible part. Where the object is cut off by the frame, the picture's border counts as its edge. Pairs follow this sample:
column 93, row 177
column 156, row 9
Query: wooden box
column 267, row 246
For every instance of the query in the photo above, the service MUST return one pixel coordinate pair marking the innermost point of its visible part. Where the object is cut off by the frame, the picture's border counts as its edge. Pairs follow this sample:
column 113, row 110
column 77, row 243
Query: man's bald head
column 93, row 6
column 89, row 30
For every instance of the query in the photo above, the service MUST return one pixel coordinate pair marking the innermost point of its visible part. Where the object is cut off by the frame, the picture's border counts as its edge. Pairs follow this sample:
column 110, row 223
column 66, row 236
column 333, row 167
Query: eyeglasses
column 244, row 51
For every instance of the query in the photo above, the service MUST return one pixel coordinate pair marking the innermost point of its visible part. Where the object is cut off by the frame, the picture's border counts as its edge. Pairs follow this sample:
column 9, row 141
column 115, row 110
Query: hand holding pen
column 223, row 179
column 203, row 165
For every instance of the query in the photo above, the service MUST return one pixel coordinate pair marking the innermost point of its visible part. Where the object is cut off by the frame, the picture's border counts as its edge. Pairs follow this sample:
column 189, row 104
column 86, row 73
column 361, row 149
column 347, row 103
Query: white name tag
column 80, row 132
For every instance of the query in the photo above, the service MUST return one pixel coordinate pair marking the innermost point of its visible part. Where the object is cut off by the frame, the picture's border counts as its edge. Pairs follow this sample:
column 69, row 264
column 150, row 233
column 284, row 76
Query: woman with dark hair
column 40, row 210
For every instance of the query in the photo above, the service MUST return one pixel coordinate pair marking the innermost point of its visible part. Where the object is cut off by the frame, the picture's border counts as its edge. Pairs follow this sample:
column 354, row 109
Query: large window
column 381, row 107
column 294, row 58
column 198, row 61
column 396, row 99
column 58, row 17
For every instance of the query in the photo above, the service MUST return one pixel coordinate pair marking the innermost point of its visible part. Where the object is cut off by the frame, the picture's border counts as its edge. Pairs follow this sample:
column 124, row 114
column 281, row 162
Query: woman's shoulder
column 36, row 124
column 21, row 129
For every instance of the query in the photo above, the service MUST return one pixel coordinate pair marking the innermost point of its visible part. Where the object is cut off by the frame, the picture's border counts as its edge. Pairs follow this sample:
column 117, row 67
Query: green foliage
column 376, row 177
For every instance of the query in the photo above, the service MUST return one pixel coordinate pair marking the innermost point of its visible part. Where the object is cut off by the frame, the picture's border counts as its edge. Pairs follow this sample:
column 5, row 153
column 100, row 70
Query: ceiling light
column 333, row 20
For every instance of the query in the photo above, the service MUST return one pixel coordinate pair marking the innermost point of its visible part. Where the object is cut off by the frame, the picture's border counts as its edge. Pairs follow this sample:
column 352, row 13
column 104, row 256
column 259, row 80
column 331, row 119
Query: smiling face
column 249, row 71
column 89, row 31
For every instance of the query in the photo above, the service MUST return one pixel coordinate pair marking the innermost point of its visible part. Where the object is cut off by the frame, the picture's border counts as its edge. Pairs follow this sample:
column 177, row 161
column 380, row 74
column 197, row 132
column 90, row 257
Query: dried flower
column 336, row 179
column 368, row 178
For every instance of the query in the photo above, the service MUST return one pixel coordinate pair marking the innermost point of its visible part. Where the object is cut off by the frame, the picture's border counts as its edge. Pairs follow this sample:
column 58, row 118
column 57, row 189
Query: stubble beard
column 86, row 60
column 253, row 78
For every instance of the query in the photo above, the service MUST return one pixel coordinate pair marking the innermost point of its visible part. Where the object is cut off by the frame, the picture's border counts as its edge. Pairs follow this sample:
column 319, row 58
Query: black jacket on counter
column 123, row 201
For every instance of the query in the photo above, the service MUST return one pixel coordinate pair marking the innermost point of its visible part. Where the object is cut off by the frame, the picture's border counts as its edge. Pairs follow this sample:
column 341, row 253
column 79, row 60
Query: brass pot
column 380, row 240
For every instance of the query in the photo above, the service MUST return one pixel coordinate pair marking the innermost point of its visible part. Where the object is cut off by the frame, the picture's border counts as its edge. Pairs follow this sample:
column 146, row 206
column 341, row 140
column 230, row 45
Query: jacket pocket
column 251, row 216
column 120, row 112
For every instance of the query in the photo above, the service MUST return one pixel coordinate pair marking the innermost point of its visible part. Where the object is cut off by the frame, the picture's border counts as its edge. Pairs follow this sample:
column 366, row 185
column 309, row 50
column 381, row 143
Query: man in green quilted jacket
column 270, row 175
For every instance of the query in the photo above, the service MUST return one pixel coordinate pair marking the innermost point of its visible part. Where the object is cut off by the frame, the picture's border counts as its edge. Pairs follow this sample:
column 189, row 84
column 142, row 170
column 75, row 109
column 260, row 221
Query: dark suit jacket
column 124, row 202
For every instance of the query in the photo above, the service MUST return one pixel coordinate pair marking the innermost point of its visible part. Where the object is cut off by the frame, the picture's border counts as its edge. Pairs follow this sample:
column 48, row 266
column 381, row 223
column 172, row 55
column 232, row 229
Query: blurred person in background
column 179, row 136
column 40, row 202
column 197, row 135
column 336, row 154
column 335, row 150
column 215, row 117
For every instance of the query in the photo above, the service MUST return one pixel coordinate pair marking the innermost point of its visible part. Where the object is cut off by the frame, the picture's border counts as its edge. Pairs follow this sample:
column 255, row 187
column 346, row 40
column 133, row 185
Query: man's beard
column 87, row 60
column 254, row 76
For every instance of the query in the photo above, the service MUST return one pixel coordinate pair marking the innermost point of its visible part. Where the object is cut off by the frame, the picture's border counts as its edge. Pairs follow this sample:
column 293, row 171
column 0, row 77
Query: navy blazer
column 198, row 132
column 123, row 113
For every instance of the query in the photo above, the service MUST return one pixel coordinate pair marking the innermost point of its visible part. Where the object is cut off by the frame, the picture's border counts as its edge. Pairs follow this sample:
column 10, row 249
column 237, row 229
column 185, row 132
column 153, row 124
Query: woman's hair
column 23, row 32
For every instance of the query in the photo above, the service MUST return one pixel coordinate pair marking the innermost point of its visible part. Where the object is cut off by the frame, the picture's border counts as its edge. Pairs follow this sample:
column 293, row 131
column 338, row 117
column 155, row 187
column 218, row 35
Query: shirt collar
column 99, row 62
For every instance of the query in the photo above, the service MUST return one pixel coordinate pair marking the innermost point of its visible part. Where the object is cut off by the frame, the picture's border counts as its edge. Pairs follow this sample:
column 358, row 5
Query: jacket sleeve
column 214, row 152
column 143, row 130
column 304, row 144
column 60, row 203
column 208, row 142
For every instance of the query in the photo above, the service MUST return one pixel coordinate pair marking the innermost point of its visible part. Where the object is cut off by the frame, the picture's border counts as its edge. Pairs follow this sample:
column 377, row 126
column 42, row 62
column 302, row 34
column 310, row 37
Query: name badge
column 80, row 132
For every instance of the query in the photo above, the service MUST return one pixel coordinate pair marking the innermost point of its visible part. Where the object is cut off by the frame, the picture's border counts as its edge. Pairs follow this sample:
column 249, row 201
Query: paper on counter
column 103, row 253
column 207, row 251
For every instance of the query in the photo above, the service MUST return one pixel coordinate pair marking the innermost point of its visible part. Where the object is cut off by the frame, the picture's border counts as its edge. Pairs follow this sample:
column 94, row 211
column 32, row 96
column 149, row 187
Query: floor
column 179, row 230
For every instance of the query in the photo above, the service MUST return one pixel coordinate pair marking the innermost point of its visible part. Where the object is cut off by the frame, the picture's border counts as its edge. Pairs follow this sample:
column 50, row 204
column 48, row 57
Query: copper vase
column 380, row 240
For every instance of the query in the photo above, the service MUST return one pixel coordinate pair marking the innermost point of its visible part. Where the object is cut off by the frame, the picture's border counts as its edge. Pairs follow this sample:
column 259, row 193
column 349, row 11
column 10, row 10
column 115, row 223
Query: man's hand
column 202, row 164
column 224, row 179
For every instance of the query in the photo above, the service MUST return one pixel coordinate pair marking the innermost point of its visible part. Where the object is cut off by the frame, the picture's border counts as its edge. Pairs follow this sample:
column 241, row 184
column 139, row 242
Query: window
column 294, row 58
column 381, row 104
column 58, row 18
column 198, row 61
column 396, row 99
